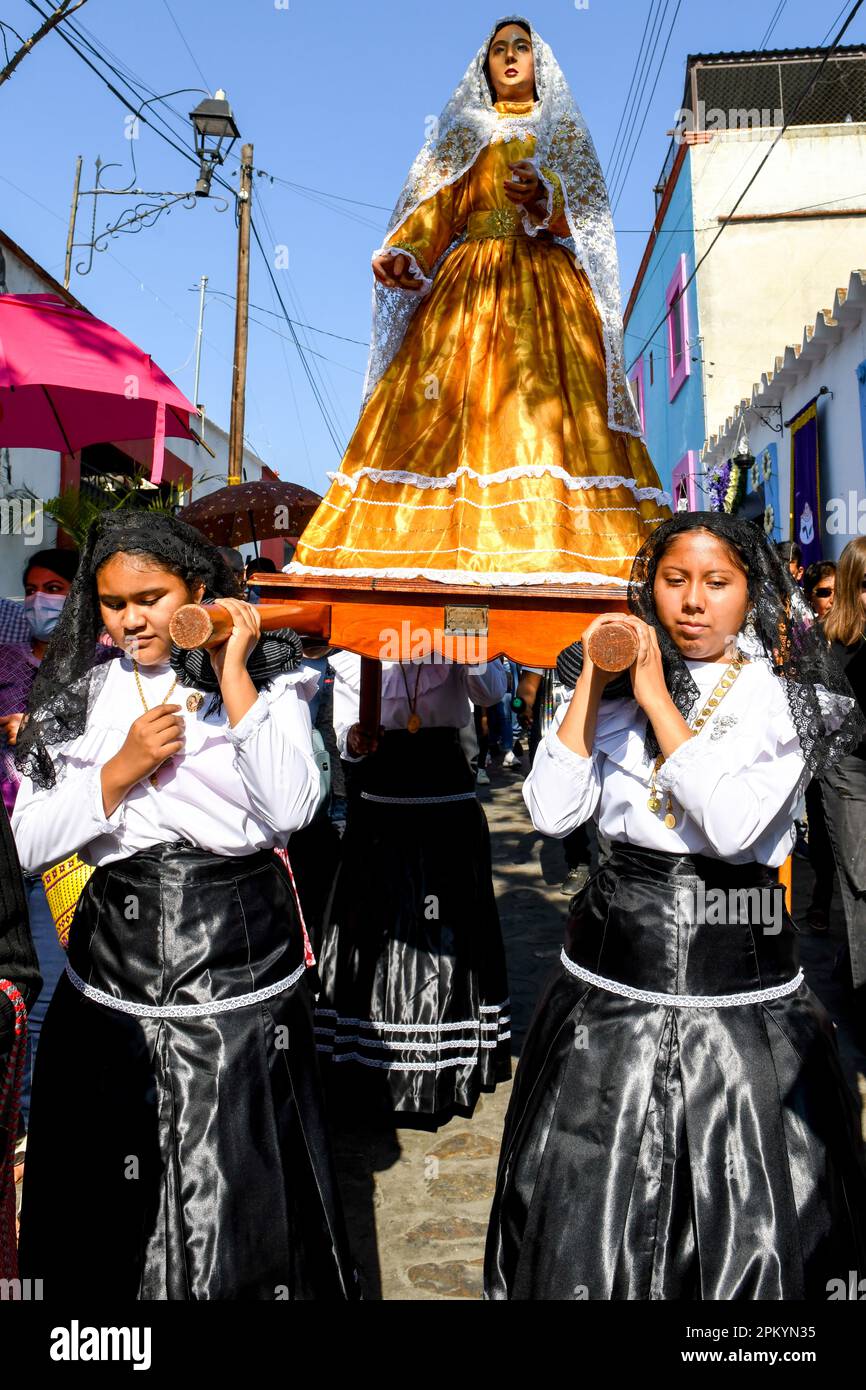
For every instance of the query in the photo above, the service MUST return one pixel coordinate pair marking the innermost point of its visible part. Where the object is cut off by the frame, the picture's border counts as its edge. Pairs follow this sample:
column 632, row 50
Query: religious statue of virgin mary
column 498, row 443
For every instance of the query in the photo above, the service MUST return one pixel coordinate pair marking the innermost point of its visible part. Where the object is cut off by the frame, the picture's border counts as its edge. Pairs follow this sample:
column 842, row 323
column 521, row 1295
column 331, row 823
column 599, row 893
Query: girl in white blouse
column 680, row 1127
column 177, row 1148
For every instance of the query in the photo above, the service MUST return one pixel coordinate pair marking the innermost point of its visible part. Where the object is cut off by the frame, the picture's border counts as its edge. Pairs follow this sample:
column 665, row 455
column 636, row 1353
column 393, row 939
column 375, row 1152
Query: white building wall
column 36, row 469
column 841, row 445
column 840, row 441
column 764, row 280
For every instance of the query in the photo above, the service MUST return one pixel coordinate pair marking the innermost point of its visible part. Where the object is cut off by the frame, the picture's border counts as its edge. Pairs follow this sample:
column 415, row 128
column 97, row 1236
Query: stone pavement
column 417, row 1202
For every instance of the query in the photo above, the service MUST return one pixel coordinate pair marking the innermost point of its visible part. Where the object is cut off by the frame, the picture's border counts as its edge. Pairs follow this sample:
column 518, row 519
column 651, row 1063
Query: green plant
column 75, row 509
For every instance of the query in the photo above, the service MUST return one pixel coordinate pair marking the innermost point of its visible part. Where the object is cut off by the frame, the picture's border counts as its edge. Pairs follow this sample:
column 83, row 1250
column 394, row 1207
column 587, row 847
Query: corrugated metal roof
column 771, row 54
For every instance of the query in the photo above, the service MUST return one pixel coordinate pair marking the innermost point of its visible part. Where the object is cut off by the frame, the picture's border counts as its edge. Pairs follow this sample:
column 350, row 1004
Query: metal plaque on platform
column 462, row 620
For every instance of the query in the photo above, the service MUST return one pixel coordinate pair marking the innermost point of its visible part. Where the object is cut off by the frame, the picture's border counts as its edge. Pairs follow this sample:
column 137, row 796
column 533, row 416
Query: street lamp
column 214, row 125
column 215, row 134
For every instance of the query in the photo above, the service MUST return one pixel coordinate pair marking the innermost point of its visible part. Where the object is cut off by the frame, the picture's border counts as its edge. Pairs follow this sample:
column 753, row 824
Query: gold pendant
column 654, row 804
column 670, row 821
column 194, row 702
column 413, row 723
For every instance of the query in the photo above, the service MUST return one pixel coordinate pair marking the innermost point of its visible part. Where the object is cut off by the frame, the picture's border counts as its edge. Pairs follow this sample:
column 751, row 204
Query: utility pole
column 242, row 304
column 62, row 12
column 70, row 235
column 201, row 303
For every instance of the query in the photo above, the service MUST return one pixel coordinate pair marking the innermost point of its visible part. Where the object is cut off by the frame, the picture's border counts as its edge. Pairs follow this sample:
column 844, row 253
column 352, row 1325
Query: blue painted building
column 696, row 343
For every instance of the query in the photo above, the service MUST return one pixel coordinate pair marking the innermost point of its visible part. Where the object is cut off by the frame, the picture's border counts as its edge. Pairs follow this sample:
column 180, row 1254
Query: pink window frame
column 686, row 471
column 636, row 375
column 677, row 372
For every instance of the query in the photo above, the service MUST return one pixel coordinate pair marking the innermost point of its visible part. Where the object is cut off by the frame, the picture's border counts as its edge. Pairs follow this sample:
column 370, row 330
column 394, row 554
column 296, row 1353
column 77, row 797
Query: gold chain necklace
column 154, row 776
column 655, row 802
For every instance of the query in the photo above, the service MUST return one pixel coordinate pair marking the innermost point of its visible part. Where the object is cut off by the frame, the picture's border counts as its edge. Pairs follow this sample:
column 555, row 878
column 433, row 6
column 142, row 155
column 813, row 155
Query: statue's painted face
column 511, row 64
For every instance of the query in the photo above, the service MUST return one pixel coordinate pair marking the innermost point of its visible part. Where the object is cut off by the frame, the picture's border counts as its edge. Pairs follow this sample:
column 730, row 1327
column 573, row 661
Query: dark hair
column 731, row 543
column 522, row 24
column 190, row 570
column 63, row 563
column 263, row 564
column 821, row 569
column 789, row 552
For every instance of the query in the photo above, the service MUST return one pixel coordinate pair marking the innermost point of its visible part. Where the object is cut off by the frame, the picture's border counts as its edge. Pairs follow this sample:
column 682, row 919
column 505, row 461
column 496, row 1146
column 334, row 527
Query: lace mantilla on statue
column 468, row 123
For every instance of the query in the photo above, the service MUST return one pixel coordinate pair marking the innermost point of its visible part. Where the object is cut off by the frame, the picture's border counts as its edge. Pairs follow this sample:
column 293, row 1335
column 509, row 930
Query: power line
column 311, row 379
column 303, row 188
column 359, row 342
column 833, row 25
column 179, row 149
column 187, row 47
column 655, row 30
column 325, row 384
column 776, row 16
column 625, row 173
column 312, row 351
column 788, row 119
column 632, row 82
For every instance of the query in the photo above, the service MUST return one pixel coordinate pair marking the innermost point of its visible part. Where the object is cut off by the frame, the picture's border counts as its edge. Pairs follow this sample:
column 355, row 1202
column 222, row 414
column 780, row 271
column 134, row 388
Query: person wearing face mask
column 47, row 580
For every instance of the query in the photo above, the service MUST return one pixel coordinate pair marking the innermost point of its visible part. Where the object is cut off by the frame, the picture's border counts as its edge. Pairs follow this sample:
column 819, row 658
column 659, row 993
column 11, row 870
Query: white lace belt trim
column 684, row 1001
column 465, row 550
column 418, row 800
column 448, row 507
column 504, row 475
column 508, row 579
column 215, row 1006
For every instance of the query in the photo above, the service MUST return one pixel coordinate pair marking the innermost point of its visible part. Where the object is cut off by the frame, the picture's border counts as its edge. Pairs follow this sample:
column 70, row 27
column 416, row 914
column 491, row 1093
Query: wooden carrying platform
column 407, row 619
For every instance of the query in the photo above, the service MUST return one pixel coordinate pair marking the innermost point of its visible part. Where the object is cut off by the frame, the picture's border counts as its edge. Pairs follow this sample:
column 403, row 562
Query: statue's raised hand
column 394, row 272
column 524, row 185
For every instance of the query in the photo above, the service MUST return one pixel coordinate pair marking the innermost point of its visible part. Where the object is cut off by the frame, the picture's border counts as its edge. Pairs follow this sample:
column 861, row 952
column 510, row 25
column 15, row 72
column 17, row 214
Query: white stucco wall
column 764, row 280
column 37, row 469
column 840, row 438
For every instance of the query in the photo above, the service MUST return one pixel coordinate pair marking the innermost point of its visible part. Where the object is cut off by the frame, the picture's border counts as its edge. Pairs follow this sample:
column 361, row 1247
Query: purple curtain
column 805, row 513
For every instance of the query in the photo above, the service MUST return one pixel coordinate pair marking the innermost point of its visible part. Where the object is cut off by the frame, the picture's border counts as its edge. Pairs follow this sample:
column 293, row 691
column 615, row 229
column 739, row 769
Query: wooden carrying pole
column 209, row 625
column 242, row 307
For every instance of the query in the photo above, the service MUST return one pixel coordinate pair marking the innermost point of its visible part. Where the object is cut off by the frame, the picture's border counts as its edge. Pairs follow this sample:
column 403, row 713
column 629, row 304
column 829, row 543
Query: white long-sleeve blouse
column 440, row 692
column 232, row 790
column 735, row 785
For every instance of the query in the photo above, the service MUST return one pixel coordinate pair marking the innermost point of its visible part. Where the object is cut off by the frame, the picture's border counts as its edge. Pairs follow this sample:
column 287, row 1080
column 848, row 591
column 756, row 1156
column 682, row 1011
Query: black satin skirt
column 659, row 1152
column 183, row 1158
column 414, row 990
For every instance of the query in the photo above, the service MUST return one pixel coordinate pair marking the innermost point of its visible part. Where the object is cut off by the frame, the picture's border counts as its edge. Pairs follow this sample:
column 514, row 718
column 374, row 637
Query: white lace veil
column 563, row 144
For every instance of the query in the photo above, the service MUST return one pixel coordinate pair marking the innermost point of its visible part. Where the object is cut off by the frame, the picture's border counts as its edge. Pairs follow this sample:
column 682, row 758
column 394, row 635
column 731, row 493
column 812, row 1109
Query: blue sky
column 334, row 94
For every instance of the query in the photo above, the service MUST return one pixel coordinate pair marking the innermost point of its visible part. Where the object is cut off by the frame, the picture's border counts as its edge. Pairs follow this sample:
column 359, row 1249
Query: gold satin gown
column 498, row 394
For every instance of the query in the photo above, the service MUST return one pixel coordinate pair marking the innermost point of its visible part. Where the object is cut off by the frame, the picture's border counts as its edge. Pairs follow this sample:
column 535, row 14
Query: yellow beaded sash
column 63, row 886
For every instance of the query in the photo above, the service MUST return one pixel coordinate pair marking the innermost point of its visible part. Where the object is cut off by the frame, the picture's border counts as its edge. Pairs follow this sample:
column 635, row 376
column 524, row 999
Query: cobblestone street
column 417, row 1202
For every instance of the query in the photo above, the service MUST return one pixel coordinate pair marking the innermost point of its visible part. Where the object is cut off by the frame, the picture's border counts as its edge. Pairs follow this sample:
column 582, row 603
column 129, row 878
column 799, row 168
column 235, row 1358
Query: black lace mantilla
column 782, row 629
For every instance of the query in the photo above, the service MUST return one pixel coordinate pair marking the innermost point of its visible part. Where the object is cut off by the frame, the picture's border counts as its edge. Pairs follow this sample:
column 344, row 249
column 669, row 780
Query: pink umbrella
column 68, row 380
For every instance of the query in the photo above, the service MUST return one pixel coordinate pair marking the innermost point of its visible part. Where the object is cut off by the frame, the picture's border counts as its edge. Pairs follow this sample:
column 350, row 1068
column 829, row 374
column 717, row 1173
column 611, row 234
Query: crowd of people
column 280, row 909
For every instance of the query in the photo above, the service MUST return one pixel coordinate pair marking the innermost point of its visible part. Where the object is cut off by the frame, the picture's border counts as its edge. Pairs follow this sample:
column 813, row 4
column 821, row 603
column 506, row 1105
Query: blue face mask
column 42, row 612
